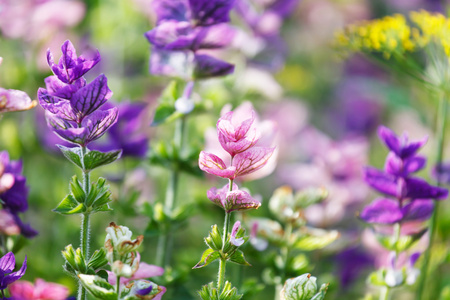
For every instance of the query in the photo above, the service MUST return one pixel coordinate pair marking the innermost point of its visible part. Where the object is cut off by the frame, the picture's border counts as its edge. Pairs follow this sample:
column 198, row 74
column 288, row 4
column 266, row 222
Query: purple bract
column 7, row 264
column 71, row 104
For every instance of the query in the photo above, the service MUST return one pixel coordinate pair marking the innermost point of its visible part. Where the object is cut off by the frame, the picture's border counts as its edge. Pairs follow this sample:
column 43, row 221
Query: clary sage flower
column 238, row 139
column 72, row 105
column 412, row 195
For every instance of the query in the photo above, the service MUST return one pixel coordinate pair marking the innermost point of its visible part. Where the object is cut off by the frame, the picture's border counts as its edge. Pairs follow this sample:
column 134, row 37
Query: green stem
column 223, row 261
column 285, row 251
column 384, row 294
column 165, row 241
column 440, row 132
column 85, row 225
column 118, row 287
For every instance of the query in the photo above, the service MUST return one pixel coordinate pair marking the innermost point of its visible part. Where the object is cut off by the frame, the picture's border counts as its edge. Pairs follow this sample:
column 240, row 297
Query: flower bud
column 303, row 287
column 119, row 239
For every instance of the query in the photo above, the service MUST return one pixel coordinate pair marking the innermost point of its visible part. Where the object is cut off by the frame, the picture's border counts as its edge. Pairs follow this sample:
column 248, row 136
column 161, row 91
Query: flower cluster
column 183, row 28
column 388, row 35
column 13, row 197
column 239, row 138
column 433, row 27
column 7, row 276
column 71, row 104
column 412, row 195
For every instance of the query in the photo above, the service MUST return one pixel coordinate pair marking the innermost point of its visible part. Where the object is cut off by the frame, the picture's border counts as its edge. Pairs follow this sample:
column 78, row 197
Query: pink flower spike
column 236, row 138
column 41, row 290
column 212, row 164
column 251, row 160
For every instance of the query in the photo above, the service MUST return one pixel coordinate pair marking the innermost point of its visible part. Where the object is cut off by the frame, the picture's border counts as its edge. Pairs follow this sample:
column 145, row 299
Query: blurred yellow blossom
column 388, row 35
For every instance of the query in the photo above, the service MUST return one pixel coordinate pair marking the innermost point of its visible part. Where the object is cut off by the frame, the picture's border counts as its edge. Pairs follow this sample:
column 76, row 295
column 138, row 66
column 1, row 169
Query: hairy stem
column 440, row 133
column 223, row 261
column 85, row 225
column 118, row 287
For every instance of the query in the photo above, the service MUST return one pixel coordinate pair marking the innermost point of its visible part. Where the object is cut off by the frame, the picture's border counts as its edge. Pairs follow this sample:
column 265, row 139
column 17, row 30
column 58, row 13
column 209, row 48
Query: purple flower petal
column 70, row 67
column 166, row 10
column 90, row 97
column 252, row 160
column 15, row 199
column 413, row 258
column 7, row 263
column 212, row 164
column 420, row 189
column 403, row 167
column 207, row 66
column 381, row 181
column 382, row 211
column 209, row 12
column 99, row 122
column 399, row 145
column 418, row 210
column 233, row 240
column 10, row 278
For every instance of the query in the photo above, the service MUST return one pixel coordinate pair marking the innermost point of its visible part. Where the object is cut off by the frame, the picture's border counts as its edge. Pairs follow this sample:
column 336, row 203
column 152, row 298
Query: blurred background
column 321, row 111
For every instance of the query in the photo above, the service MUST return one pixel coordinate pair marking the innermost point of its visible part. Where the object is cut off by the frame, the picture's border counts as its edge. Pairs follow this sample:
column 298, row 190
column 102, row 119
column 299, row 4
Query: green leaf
column 208, row 257
column 377, row 278
column 310, row 196
column 215, row 236
column 70, row 206
column 238, row 258
column 72, row 154
column 77, row 191
column 403, row 243
column 103, row 208
column 94, row 159
column 99, row 195
column 315, row 239
column 98, row 287
column 163, row 111
column 98, row 259
column 321, row 294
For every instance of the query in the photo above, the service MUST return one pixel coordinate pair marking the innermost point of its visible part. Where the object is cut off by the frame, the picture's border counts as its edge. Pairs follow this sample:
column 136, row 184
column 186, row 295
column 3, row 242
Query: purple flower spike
column 70, row 66
column 400, row 145
column 7, row 264
column 382, row 211
column 212, row 164
column 235, row 200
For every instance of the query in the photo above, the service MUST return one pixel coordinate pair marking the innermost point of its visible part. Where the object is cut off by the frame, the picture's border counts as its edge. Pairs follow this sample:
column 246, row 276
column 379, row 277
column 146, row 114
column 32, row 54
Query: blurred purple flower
column 72, row 105
column 387, row 211
column 410, row 193
column 265, row 19
column 128, row 133
column 351, row 263
column 13, row 192
column 7, row 264
column 184, row 27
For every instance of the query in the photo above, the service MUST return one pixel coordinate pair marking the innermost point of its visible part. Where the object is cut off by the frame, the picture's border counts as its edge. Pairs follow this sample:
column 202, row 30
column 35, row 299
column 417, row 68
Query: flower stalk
column 440, row 132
